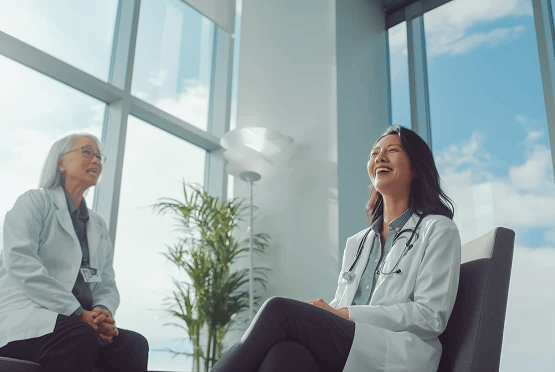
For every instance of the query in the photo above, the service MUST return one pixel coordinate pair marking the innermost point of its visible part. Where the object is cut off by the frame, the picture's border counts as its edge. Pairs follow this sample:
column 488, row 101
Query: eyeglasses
column 88, row 153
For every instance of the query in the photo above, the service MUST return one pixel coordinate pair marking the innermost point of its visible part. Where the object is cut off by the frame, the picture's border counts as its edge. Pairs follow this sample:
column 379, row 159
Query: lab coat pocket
column 20, row 303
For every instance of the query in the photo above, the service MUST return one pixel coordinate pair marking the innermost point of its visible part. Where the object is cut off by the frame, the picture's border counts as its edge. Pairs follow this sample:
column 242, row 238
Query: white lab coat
column 399, row 329
column 40, row 262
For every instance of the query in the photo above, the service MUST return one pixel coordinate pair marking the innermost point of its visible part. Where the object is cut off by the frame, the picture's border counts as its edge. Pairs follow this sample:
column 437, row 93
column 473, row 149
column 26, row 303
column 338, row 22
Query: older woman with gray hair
column 58, row 292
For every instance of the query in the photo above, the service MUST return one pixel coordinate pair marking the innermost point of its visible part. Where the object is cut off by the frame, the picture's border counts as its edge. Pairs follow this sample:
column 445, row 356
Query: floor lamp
column 249, row 152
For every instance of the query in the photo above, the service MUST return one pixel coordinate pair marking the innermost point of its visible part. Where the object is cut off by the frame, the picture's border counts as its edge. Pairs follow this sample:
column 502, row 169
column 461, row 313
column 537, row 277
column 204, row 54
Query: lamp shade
column 251, row 149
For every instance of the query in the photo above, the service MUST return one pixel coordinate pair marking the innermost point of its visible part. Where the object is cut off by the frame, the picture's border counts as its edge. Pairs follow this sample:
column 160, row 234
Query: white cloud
column 532, row 175
column 398, row 40
column 191, row 105
column 466, row 153
column 449, row 27
column 549, row 236
column 513, row 202
column 529, row 313
column 61, row 28
column 533, row 136
column 466, row 43
column 524, row 199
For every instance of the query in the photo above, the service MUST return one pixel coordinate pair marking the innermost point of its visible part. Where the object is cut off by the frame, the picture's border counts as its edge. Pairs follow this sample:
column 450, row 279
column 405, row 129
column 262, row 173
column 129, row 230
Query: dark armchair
column 472, row 340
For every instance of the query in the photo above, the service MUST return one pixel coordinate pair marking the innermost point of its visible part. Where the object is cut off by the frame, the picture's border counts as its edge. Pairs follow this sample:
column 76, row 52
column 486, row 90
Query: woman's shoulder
column 438, row 222
column 438, row 219
column 35, row 198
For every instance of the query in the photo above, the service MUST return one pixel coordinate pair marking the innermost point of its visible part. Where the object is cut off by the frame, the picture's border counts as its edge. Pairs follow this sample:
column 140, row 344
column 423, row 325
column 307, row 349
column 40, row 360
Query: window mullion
column 543, row 20
column 418, row 74
column 215, row 180
column 106, row 201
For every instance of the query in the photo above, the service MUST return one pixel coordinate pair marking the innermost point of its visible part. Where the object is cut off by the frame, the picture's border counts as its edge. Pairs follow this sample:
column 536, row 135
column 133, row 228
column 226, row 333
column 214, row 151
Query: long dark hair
column 426, row 195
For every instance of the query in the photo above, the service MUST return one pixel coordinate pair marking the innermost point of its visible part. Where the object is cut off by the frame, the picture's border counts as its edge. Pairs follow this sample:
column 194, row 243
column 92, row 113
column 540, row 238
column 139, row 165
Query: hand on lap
column 343, row 312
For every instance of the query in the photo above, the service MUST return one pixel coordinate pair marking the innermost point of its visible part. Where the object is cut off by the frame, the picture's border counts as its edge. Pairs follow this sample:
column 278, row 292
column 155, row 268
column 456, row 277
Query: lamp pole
column 250, row 177
column 248, row 152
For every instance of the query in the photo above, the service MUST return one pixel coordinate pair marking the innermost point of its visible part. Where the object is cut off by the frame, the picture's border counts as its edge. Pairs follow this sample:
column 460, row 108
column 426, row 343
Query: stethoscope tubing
column 348, row 276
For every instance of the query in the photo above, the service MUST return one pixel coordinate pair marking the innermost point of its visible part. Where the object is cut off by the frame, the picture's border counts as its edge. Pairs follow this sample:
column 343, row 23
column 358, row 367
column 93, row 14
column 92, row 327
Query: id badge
column 90, row 275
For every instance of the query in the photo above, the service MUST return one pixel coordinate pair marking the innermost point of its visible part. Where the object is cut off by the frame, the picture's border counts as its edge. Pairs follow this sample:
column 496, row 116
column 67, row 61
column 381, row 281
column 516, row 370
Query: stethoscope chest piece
column 348, row 277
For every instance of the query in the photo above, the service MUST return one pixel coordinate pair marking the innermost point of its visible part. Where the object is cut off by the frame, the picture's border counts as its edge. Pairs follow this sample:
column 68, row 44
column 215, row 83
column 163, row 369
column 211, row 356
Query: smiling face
column 77, row 168
column 389, row 167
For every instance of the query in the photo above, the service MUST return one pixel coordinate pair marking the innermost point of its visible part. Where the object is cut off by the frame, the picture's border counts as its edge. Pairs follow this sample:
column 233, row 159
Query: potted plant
column 213, row 295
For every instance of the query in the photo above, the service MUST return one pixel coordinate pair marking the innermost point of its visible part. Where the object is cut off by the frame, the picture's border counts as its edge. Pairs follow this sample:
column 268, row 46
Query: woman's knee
column 272, row 308
column 141, row 343
column 135, row 342
column 276, row 303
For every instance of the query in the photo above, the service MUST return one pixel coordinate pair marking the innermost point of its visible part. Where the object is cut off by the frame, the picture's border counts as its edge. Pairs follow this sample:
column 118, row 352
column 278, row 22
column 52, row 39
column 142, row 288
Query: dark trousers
column 290, row 335
column 74, row 346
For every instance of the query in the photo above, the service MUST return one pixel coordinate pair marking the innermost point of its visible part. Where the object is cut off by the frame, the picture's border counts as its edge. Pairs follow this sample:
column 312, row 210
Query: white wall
column 364, row 108
column 288, row 81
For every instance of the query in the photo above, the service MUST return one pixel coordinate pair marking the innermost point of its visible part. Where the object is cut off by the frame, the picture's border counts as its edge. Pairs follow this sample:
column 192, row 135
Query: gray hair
column 50, row 176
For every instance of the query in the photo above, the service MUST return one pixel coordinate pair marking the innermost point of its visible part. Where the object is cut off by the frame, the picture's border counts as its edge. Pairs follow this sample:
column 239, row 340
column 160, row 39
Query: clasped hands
column 102, row 322
column 343, row 312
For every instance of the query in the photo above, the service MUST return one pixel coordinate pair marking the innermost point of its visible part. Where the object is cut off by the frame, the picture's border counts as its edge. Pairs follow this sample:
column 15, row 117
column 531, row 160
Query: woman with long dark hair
column 396, row 289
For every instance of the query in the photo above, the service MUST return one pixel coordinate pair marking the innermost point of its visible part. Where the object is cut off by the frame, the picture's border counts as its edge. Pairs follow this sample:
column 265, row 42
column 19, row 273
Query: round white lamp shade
column 265, row 141
column 249, row 151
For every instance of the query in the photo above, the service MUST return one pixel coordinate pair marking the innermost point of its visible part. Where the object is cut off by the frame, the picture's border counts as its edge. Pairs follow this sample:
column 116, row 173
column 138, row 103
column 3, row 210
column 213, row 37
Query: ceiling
column 395, row 9
column 393, row 5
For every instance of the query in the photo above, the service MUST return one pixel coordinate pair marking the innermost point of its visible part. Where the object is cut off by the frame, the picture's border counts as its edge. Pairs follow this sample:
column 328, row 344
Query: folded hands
column 102, row 322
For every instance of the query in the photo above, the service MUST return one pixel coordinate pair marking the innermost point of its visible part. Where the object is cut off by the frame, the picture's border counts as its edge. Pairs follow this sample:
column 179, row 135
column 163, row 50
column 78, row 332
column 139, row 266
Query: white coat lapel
column 93, row 235
column 62, row 214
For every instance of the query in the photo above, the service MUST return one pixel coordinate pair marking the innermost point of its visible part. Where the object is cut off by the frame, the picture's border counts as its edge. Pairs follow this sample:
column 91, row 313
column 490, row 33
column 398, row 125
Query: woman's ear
column 60, row 165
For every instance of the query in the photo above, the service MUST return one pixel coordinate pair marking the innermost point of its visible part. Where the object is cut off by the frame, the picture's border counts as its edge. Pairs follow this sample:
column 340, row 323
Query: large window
column 173, row 65
column 399, row 73
column 77, row 32
column 180, row 66
column 36, row 111
column 155, row 165
column 491, row 145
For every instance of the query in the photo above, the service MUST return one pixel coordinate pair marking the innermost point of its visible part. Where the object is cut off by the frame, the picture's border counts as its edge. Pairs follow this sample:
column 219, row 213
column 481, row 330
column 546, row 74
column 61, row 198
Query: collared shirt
column 79, row 217
column 377, row 254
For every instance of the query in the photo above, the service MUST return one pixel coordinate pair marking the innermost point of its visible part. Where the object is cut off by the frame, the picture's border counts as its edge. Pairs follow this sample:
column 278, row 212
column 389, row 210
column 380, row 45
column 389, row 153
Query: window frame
column 120, row 104
column 413, row 14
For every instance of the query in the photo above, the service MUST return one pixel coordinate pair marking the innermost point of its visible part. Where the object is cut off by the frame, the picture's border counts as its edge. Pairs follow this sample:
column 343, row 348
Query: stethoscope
column 349, row 276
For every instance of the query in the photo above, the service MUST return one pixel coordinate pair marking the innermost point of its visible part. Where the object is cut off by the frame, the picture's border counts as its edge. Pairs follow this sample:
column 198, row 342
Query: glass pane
column 491, row 145
column 399, row 72
column 77, row 32
column 155, row 164
column 173, row 61
column 37, row 111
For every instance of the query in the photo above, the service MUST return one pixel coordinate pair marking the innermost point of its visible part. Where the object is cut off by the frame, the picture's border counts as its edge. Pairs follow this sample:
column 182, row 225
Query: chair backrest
column 16, row 365
column 472, row 340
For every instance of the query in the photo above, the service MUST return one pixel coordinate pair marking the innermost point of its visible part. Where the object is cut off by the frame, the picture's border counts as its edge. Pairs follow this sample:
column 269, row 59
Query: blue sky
column 484, row 81
column 491, row 145
column 488, row 125
column 484, row 89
